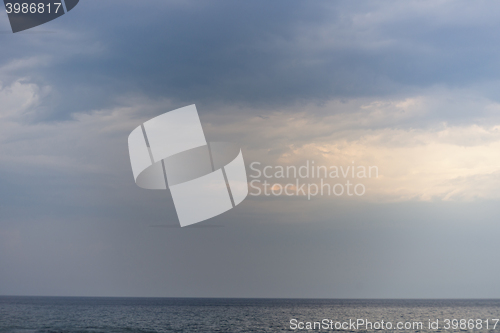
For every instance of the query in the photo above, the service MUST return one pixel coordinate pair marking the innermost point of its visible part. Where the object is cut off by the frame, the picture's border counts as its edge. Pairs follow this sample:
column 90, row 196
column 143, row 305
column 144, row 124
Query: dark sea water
column 78, row 314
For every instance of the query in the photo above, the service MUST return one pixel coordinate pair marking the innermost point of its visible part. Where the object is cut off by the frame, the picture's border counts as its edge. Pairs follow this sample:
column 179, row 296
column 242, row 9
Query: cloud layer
column 410, row 87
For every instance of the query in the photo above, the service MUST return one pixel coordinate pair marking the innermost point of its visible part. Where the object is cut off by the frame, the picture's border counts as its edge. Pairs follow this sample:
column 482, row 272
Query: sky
column 410, row 87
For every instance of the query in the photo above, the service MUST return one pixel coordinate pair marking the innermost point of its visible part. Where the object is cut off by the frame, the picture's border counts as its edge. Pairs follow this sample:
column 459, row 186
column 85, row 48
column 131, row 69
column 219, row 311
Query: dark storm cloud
column 259, row 53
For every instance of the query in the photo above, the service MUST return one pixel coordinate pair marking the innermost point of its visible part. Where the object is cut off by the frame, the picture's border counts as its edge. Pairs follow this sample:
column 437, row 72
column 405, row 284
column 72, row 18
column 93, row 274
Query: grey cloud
column 259, row 54
column 72, row 221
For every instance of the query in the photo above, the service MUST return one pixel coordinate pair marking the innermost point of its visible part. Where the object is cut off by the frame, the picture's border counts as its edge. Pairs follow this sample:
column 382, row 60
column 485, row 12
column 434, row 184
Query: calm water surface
column 67, row 314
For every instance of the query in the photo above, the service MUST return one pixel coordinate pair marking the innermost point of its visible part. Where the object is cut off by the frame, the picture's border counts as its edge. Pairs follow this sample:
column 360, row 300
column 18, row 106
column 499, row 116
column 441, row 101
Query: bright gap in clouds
column 432, row 161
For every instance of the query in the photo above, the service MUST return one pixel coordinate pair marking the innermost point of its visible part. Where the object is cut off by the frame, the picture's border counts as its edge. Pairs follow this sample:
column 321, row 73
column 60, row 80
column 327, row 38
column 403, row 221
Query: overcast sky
column 408, row 86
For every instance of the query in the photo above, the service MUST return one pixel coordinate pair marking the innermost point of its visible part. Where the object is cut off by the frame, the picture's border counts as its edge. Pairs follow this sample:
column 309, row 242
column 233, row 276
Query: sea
column 148, row 315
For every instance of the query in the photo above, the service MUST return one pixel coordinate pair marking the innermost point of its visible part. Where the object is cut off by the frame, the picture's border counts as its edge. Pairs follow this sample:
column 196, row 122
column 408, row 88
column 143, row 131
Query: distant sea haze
column 96, row 315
